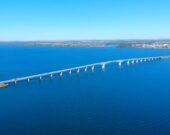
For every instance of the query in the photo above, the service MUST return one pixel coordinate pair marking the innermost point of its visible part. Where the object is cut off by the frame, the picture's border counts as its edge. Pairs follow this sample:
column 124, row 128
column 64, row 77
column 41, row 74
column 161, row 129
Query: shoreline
column 3, row 85
column 150, row 44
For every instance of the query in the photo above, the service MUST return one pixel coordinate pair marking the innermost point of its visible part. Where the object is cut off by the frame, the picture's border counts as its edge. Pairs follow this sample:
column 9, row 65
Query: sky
column 29, row 20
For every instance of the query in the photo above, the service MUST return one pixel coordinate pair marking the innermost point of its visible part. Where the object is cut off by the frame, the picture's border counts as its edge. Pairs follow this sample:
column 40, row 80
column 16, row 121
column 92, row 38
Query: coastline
column 3, row 85
column 150, row 44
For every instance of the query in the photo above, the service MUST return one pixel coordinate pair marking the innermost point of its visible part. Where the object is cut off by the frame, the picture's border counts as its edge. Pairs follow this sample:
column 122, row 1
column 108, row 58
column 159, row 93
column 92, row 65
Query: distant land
column 162, row 44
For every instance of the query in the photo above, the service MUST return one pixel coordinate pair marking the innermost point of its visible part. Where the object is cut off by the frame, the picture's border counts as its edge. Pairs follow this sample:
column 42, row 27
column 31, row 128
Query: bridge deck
column 14, row 80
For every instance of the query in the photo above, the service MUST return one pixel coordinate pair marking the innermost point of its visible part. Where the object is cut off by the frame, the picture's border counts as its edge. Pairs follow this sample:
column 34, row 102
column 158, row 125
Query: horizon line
column 84, row 40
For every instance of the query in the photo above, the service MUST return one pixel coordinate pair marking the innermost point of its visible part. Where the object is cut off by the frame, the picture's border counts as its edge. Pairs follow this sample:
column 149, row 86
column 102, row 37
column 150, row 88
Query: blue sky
column 84, row 19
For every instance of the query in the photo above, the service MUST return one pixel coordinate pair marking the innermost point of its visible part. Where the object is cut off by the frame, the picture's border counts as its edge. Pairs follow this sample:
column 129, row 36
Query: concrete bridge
column 80, row 68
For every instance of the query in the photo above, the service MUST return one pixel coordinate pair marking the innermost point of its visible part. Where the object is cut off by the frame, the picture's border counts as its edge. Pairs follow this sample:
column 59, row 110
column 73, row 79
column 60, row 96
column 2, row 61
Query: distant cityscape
column 162, row 44
column 97, row 43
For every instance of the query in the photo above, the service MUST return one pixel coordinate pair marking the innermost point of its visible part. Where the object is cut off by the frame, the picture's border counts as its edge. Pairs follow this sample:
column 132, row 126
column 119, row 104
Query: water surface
column 133, row 100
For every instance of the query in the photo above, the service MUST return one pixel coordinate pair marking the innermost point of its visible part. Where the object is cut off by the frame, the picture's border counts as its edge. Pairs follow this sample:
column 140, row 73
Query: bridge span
column 84, row 67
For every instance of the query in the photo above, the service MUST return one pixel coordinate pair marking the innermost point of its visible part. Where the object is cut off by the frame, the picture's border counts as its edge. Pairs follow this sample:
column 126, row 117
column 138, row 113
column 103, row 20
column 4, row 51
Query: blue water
column 133, row 100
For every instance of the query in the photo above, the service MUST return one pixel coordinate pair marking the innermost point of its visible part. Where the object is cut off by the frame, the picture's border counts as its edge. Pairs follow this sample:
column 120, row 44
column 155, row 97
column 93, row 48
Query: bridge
column 80, row 68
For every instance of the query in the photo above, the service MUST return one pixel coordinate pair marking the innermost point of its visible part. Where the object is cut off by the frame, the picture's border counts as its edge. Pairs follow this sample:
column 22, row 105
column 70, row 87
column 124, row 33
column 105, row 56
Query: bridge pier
column 85, row 69
column 61, row 74
column 15, row 82
column 51, row 76
column 78, row 70
column 133, row 61
column 92, row 68
column 120, row 63
column 128, row 63
column 28, row 80
column 40, row 77
column 137, row 61
column 69, row 72
column 103, row 67
column 141, row 61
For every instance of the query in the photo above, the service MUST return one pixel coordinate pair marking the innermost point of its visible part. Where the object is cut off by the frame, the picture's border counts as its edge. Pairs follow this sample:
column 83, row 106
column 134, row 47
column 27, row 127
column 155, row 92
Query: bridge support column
column 78, row 71
column 141, row 61
column 92, row 68
column 28, row 80
column 85, row 69
column 133, row 61
column 103, row 67
column 61, row 74
column 70, row 72
column 15, row 81
column 137, row 61
column 120, row 63
column 51, row 76
column 40, row 77
column 128, row 63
